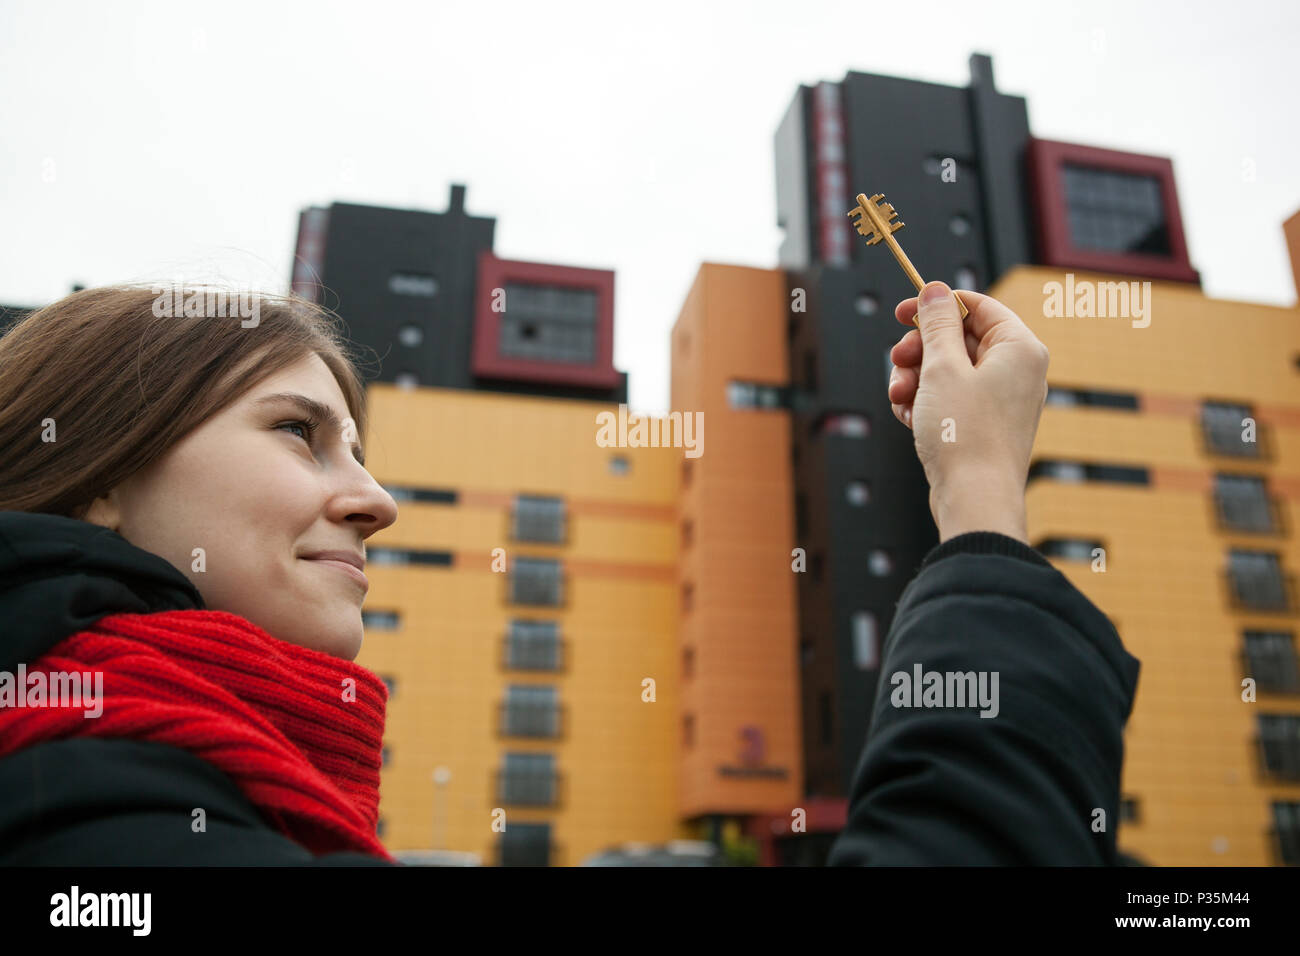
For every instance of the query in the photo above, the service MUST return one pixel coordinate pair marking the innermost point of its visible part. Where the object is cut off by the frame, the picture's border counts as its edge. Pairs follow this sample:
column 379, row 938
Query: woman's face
column 257, row 494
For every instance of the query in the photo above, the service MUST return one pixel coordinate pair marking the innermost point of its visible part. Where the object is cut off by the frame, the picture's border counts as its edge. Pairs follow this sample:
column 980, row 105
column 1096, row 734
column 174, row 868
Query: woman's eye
column 305, row 426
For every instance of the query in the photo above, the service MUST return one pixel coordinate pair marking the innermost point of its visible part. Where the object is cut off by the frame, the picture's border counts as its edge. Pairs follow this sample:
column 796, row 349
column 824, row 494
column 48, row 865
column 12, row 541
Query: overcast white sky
column 169, row 139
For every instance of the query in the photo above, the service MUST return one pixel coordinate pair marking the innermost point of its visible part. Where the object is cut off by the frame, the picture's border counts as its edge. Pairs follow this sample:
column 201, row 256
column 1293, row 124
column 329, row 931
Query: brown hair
column 123, row 385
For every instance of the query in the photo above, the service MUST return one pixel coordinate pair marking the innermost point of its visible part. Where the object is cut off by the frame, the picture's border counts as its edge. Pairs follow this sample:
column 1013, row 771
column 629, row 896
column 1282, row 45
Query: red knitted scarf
column 299, row 731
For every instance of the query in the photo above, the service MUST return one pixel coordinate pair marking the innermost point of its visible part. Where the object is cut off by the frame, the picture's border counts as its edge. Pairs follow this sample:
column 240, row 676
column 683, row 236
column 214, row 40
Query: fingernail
column 907, row 415
column 933, row 292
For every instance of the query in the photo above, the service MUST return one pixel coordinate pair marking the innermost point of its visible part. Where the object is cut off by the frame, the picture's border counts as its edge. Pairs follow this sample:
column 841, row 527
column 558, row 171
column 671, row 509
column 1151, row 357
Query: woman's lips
column 356, row 574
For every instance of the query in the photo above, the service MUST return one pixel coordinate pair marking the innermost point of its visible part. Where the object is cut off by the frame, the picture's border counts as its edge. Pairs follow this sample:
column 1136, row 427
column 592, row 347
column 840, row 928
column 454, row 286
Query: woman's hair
column 123, row 383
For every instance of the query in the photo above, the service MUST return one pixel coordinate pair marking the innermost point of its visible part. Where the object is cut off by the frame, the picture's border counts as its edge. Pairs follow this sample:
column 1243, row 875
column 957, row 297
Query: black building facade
column 408, row 285
column 951, row 161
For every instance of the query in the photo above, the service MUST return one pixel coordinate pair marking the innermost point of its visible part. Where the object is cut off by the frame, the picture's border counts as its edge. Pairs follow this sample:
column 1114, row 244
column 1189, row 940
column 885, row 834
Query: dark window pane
column 528, row 779
column 1115, row 212
column 531, row 711
column 526, row 844
column 1242, row 503
column 536, row 581
column 1271, row 661
column 533, row 646
column 1257, row 580
column 550, row 323
column 537, row 518
column 1279, row 739
column 1224, row 431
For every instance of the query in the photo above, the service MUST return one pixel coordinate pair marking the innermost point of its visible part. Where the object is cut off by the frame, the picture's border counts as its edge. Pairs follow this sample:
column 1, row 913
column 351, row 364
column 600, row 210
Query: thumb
column 942, row 332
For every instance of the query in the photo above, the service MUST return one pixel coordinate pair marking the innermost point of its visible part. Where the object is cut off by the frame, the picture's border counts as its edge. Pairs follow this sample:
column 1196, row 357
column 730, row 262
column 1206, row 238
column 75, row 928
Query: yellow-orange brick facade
column 617, row 755
column 1192, row 762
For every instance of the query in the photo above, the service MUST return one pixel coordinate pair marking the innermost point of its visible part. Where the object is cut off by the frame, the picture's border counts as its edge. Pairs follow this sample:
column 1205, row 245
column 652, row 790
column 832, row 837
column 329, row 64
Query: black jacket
column 946, row 786
column 87, row 801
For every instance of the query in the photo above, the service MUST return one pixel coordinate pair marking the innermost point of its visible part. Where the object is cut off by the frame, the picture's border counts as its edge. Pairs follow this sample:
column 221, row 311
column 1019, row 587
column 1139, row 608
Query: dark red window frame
column 1046, row 159
column 494, row 273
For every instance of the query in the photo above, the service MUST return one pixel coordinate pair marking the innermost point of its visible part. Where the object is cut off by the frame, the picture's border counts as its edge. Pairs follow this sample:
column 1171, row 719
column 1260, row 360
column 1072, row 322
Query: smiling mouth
column 356, row 574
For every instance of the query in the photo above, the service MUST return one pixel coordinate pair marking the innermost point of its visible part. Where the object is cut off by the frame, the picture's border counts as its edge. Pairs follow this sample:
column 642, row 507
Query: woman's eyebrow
column 314, row 409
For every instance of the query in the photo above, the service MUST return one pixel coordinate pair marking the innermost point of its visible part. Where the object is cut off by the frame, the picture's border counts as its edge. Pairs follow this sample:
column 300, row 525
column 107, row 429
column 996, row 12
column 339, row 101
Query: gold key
column 874, row 222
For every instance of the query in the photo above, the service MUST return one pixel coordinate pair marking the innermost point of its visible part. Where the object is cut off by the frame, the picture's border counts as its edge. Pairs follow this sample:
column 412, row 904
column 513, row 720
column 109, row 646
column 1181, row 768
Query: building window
column 537, row 518
column 865, row 641
column 747, row 395
column 959, row 225
column 537, row 581
column 533, row 646
column 1242, row 503
column 551, row 323
column 849, row 425
column 1257, row 581
column 380, row 620
column 531, row 711
column 1115, row 212
column 1271, row 661
column 407, row 283
column 1279, row 741
column 1076, row 471
column 1071, row 471
column 528, row 780
column 1286, row 828
column 1128, row 810
column 1222, row 425
column 879, row 563
column 965, row 278
column 1071, row 549
column 1062, row 397
column 407, row 556
column 858, row 493
column 1070, row 397
column 441, row 496
column 866, row 304
column 525, row 844
column 410, row 335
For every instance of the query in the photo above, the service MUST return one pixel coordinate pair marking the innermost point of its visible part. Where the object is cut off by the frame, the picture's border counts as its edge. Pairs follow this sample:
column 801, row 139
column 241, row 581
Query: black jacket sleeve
column 1036, row 783
column 91, row 801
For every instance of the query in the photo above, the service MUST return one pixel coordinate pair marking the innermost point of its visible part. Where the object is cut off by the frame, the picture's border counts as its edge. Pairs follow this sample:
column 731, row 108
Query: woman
column 149, row 460
column 175, row 491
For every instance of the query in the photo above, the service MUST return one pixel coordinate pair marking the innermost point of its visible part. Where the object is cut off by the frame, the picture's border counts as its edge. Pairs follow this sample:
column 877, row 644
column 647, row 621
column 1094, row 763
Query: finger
column 987, row 314
column 906, row 352
column 943, row 332
column 902, row 413
column 905, row 311
column 903, row 382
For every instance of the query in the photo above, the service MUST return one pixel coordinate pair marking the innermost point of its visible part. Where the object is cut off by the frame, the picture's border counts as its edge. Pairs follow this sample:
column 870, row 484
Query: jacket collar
column 59, row 575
